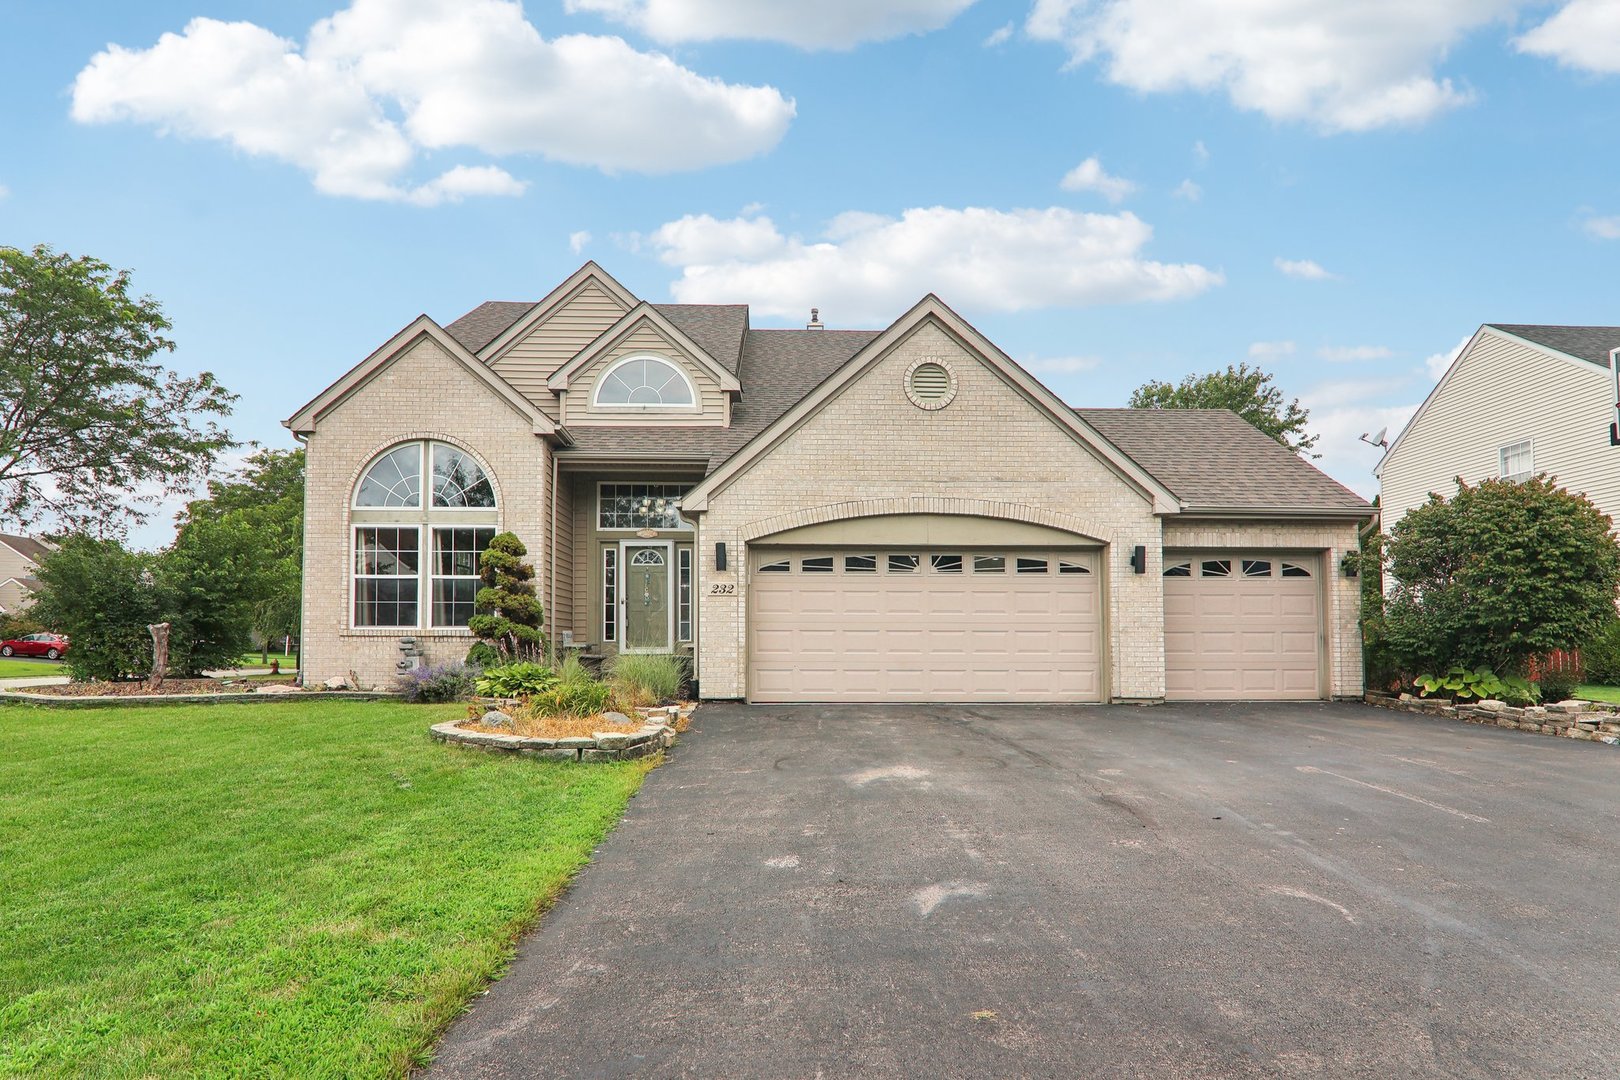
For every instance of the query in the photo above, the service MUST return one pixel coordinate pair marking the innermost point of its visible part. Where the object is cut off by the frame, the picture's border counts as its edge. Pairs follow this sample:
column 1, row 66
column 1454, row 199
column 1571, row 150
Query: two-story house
column 897, row 514
column 19, row 558
column 1518, row 400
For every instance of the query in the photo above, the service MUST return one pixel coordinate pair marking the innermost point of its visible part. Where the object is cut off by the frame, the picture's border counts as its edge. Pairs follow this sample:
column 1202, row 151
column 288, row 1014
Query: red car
column 50, row 646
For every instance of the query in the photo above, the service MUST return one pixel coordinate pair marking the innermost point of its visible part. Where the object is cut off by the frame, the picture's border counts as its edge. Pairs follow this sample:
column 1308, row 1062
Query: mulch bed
column 141, row 689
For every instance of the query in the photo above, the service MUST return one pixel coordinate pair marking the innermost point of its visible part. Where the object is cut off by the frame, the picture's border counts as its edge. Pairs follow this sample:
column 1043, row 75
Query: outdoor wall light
column 720, row 556
column 1139, row 559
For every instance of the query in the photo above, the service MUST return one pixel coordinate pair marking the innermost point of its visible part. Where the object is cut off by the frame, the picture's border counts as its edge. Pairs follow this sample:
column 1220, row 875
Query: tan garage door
column 1242, row 626
column 925, row 625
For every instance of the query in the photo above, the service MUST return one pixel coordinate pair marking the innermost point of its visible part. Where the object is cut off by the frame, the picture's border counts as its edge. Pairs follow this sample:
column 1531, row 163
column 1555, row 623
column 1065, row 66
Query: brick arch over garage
column 1084, row 528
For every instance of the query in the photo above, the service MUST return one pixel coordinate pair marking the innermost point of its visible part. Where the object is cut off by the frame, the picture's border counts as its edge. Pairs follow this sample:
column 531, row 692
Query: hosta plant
column 1465, row 684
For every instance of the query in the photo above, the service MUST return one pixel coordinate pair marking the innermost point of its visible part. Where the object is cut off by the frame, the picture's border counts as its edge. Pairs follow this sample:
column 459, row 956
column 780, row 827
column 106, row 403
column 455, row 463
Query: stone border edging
column 101, row 701
column 1589, row 721
column 602, row 746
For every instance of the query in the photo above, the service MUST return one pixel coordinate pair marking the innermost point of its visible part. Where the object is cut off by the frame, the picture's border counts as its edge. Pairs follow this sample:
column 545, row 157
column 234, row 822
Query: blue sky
column 1113, row 190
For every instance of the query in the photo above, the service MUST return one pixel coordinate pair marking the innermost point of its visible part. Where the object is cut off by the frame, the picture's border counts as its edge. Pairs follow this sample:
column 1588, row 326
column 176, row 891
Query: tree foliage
column 509, row 614
column 1499, row 573
column 263, row 501
column 1246, row 391
column 93, row 432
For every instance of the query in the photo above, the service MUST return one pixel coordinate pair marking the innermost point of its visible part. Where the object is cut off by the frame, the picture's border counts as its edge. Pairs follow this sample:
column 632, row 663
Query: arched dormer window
column 400, row 545
column 644, row 382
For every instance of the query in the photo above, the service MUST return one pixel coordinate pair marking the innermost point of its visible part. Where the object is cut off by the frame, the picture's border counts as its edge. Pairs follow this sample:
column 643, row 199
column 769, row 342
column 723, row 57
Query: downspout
column 551, row 563
column 303, row 568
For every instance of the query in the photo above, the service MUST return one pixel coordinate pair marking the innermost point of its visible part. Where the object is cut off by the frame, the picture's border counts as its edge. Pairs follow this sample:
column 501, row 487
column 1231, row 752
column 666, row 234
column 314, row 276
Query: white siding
column 577, row 322
column 1499, row 392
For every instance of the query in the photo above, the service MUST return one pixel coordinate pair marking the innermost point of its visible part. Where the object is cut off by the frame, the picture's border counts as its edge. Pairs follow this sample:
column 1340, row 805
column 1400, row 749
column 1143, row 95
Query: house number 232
column 722, row 589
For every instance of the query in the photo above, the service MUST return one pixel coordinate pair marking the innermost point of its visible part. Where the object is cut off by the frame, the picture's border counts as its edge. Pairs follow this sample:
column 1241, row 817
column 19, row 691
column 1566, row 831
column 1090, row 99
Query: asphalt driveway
column 996, row 891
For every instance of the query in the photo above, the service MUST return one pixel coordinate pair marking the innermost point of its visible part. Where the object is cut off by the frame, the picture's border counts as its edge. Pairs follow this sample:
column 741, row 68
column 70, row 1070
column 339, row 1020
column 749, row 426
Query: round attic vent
column 930, row 384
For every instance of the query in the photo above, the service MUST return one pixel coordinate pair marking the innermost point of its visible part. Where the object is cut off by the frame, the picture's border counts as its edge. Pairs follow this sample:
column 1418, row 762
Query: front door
column 645, row 602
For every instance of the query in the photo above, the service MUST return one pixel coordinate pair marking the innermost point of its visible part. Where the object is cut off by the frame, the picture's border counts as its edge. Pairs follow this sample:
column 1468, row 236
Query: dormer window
column 644, row 382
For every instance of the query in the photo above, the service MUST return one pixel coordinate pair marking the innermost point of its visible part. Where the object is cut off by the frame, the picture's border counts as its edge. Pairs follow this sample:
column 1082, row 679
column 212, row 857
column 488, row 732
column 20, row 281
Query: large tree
column 263, row 500
column 1247, row 391
column 94, row 433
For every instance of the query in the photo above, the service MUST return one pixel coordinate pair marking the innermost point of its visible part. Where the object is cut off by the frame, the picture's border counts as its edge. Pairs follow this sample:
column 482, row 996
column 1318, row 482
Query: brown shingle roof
column 1213, row 458
column 1591, row 343
column 777, row 369
column 484, row 323
column 26, row 546
column 717, row 329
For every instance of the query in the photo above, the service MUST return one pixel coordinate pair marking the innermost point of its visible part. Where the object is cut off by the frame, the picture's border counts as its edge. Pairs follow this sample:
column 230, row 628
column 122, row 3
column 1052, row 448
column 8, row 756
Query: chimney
column 815, row 320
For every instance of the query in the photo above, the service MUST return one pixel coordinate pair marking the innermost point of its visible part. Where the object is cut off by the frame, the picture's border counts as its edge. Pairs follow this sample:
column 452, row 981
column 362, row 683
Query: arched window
column 400, row 545
column 644, row 382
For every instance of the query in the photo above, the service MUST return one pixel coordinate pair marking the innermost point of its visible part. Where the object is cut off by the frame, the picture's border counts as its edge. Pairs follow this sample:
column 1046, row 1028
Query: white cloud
column 1339, row 427
column 828, row 24
column 1603, row 228
column 999, row 36
column 1061, row 365
column 870, row 268
column 1089, row 175
column 578, row 240
column 1340, row 66
column 1200, row 152
column 1346, row 354
column 1188, row 190
column 1270, row 350
column 1583, row 34
column 1440, row 362
column 1303, row 269
column 383, row 80
column 5, row 192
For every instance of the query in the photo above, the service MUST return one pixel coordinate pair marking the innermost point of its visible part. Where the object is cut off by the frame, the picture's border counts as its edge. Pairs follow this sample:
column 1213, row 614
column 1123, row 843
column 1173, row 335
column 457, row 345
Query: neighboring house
column 1517, row 401
column 812, row 514
column 19, row 558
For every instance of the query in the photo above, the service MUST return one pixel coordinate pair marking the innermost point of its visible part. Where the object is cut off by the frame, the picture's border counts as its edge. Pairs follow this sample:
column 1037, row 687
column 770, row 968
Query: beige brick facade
column 990, row 452
column 423, row 394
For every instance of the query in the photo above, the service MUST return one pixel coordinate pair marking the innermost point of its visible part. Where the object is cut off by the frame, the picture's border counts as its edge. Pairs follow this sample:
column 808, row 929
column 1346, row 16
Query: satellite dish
column 1380, row 438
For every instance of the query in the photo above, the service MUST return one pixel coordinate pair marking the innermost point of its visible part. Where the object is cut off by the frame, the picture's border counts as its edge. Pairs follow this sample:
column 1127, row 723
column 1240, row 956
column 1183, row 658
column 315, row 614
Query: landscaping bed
column 314, row 891
column 170, row 687
column 1588, row 721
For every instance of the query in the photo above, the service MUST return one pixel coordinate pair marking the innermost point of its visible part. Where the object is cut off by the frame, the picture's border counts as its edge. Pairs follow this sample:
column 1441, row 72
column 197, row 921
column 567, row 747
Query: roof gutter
column 1341, row 513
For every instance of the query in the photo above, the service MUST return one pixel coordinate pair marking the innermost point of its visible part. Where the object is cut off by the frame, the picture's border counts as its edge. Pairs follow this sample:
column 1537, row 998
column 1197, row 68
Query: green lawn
column 296, row 890
column 15, row 668
column 253, row 659
column 1599, row 693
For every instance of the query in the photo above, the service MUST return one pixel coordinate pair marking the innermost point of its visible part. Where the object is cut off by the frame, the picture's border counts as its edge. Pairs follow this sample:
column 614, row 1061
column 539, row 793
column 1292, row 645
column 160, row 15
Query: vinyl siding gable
column 1500, row 392
column 714, row 406
column 578, row 321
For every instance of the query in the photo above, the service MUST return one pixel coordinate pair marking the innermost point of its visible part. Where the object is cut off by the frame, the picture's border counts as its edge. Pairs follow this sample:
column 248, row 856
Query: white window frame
column 355, row 576
column 1528, row 446
column 425, row 518
column 611, row 593
column 433, row 575
column 694, row 405
column 681, row 525
column 684, row 594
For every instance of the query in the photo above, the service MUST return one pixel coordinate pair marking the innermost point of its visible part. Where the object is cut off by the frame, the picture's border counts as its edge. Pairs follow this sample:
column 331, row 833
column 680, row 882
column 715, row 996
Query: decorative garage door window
column 633, row 507
column 1248, row 568
column 918, row 562
column 415, row 561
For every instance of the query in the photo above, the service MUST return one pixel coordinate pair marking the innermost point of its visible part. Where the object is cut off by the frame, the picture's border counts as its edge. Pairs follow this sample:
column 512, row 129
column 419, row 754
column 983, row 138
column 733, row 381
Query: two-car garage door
column 925, row 625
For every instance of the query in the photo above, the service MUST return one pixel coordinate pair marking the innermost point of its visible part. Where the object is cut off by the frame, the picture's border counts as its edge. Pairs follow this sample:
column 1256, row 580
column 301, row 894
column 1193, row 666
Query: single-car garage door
column 925, row 625
column 1242, row 626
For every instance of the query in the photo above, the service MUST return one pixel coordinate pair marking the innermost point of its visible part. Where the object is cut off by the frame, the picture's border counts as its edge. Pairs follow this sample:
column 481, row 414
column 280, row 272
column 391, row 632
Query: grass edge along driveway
column 300, row 889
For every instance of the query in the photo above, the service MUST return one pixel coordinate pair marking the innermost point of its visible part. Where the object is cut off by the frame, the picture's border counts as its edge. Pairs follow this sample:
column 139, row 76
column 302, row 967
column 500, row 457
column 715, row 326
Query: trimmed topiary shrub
column 509, row 615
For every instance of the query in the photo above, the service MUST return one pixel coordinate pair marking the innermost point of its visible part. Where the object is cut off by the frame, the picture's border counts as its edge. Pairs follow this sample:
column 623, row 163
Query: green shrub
column 1498, row 574
column 646, row 679
column 484, row 655
column 1557, row 675
column 509, row 615
column 1601, row 655
column 439, row 684
column 572, row 699
column 1464, row 684
column 516, row 680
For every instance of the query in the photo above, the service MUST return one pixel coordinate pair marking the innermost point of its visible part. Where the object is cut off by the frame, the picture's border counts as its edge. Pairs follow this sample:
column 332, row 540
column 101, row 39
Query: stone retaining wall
column 602, row 746
column 1590, row 721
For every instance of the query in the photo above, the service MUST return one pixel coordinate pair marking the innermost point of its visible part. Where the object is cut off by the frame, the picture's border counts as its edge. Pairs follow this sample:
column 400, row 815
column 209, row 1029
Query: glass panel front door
column 645, row 597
